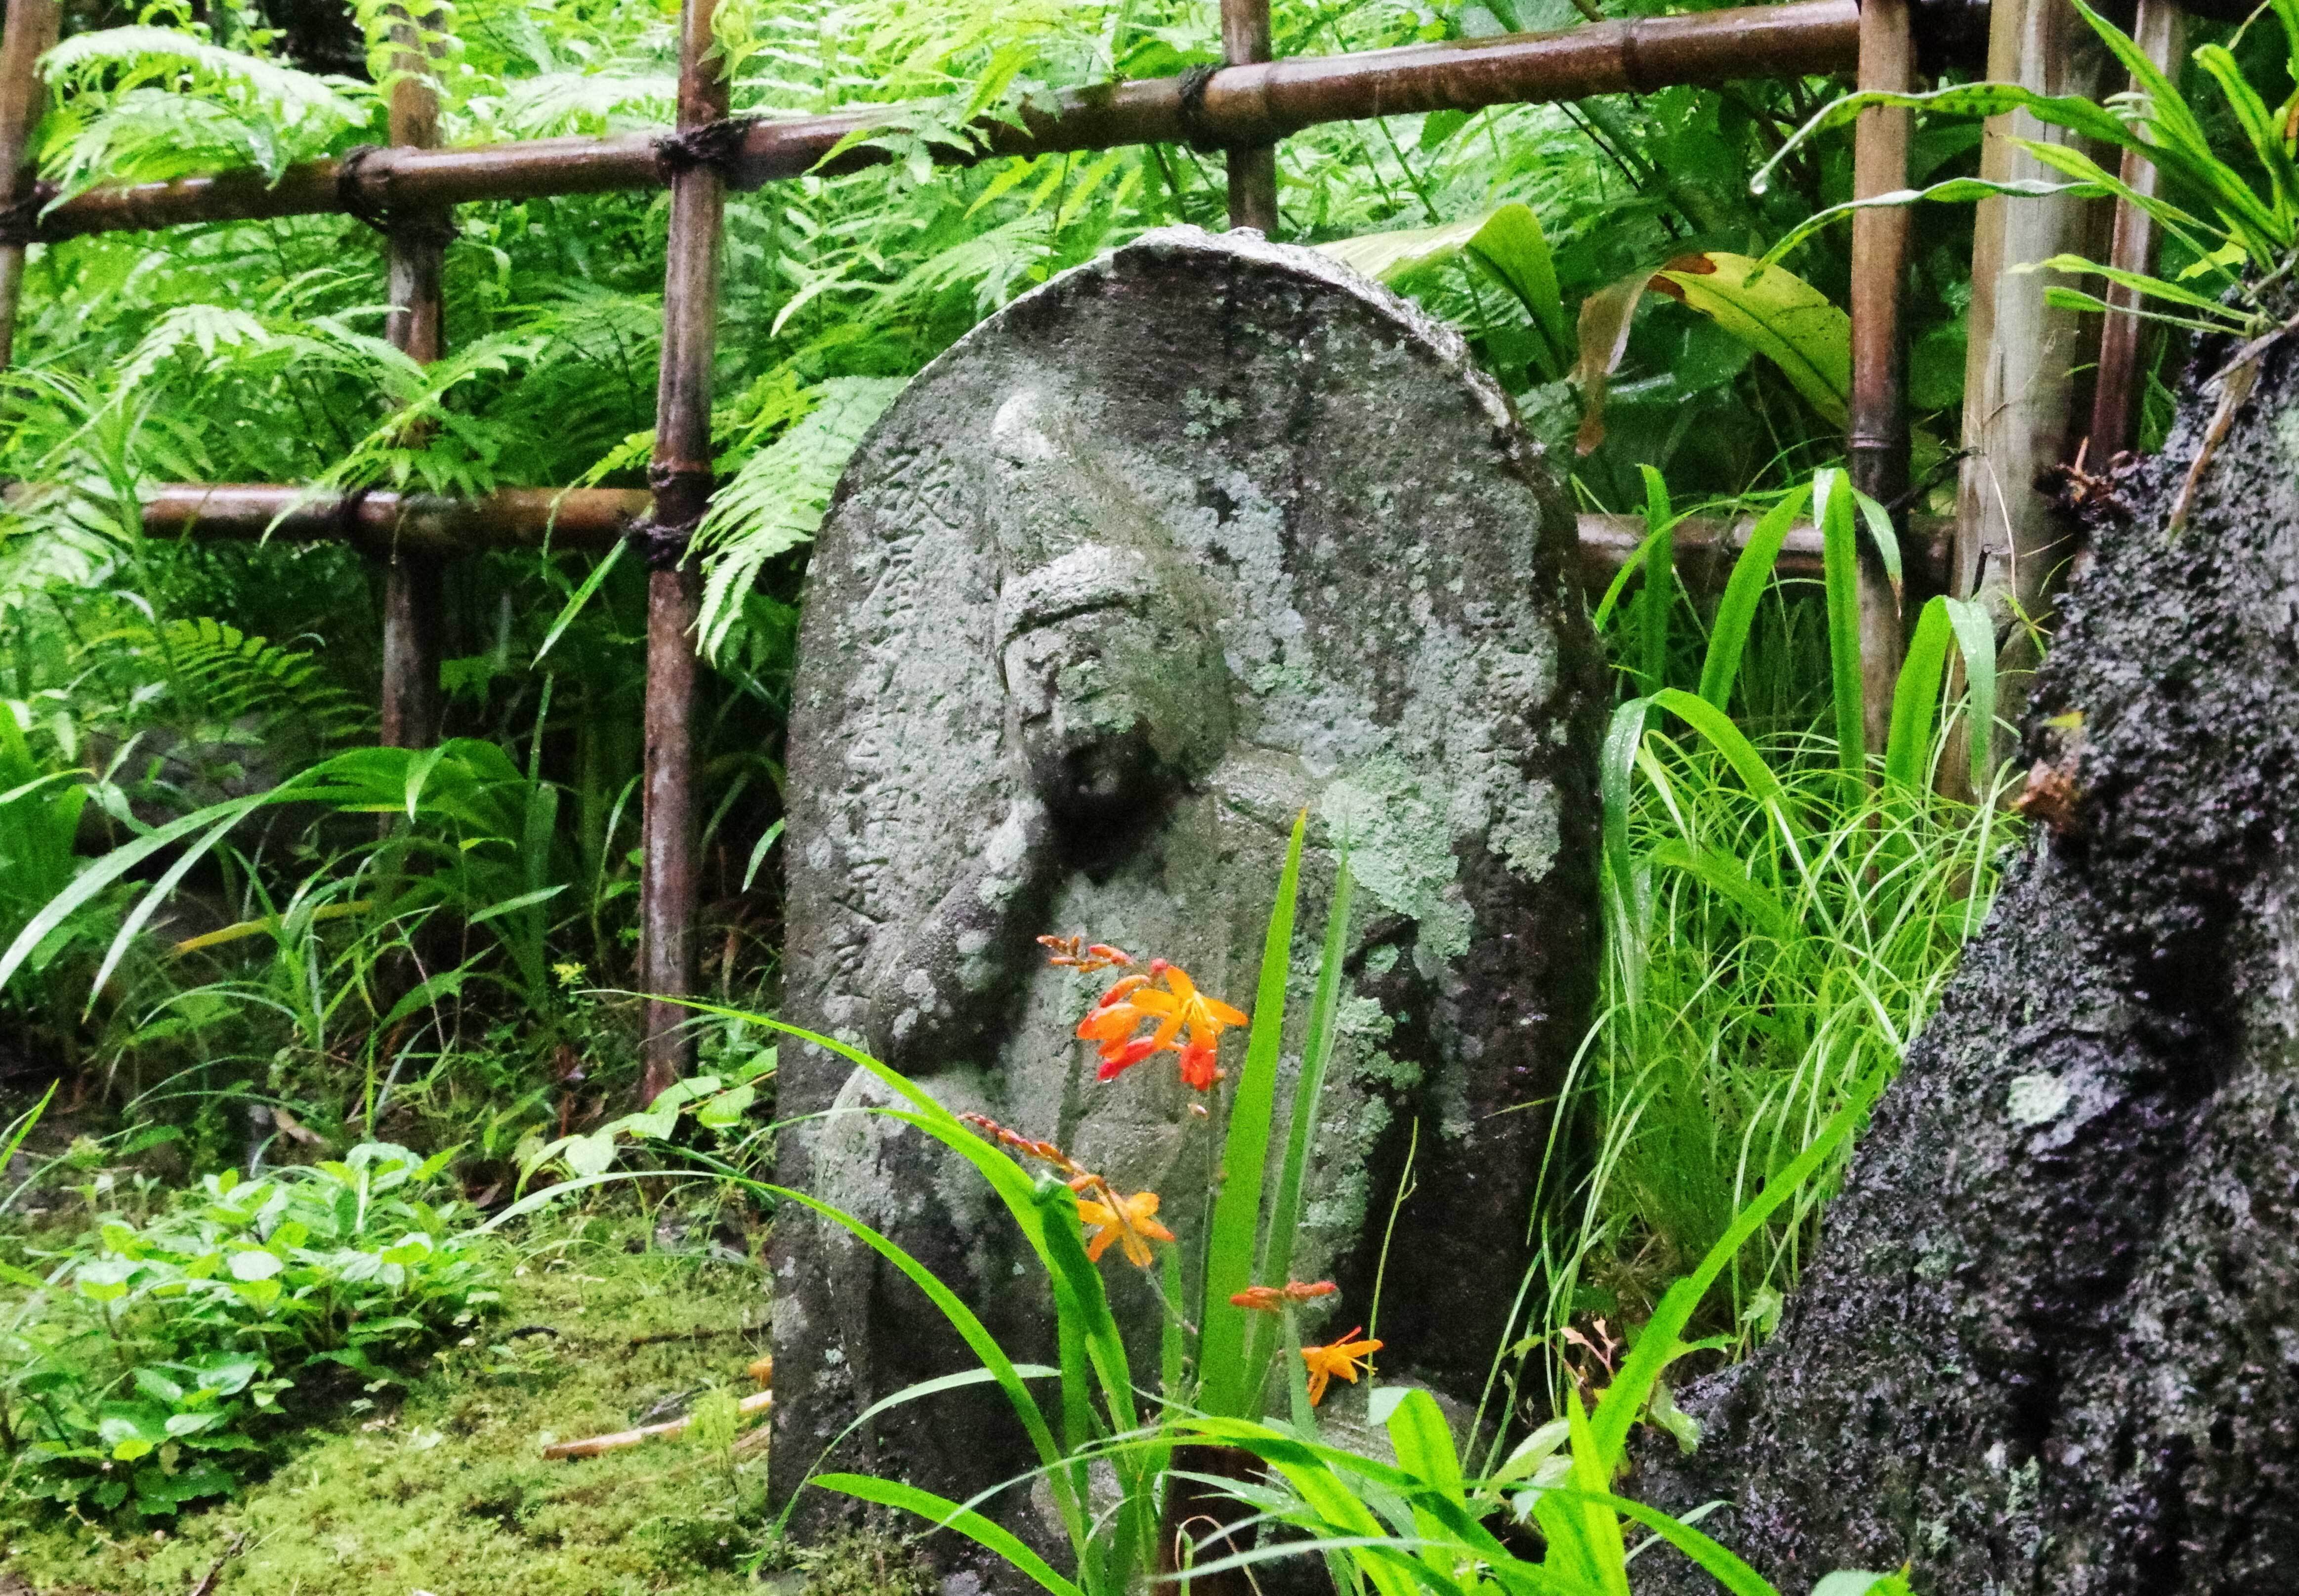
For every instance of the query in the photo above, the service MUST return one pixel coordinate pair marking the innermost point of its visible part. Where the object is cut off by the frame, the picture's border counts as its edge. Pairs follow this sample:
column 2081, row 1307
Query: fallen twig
column 759, row 1401
column 215, row 1570
column 658, row 1337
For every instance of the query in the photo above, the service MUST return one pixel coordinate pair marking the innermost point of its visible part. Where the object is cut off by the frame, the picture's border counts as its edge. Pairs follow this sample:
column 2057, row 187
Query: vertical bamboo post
column 1252, row 167
column 2161, row 29
column 682, row 482
column 30, row 31
column 1878, row 442
column 2022, row 409
column 414, row 583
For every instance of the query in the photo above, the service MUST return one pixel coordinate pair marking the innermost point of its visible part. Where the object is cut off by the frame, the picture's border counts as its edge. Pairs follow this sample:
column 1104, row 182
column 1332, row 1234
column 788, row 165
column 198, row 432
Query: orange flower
column 1129, row 1221
column 1271, row 1299
column 1181, row 1020
column 1014, row 1141
column 1077, row 953
column 1338, row 1358
column 1198, row 1071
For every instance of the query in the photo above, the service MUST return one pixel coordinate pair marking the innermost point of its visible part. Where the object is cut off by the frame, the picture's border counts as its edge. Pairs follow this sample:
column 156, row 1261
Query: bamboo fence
column 1243, row 109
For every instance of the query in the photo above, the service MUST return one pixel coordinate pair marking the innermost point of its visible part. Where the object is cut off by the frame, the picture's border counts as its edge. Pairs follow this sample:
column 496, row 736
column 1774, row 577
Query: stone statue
column 1186, row 541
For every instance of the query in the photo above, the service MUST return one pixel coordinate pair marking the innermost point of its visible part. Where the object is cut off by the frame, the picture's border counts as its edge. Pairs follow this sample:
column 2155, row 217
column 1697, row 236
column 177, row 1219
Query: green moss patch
column 442, row 1487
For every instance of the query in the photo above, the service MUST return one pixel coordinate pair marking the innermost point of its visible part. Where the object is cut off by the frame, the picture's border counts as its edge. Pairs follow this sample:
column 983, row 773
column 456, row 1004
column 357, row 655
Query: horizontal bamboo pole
column 579, row 518
column 1247, row 104
column 597, row 518
column 1704, row 548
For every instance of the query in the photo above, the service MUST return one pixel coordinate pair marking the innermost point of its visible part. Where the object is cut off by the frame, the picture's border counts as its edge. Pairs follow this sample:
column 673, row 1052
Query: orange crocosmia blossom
column 1129, row 1221
column 1338, row 1359
column 1198, row 1071
column 1118, row 1057
column 1270, row 1299
column 1203, row 1016
column 1181, row 1020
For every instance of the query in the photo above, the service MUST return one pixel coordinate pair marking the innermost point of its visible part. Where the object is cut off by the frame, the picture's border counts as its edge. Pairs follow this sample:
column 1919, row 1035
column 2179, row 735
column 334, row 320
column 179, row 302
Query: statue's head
column 1106, row 637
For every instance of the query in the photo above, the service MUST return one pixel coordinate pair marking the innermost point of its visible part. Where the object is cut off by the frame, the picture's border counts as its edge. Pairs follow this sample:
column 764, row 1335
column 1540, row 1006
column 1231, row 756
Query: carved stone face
column 1184, row 545
column 1118, row 694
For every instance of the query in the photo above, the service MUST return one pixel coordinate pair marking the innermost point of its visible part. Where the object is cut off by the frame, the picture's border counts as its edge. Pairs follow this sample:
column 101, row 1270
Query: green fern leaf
column 776, row 500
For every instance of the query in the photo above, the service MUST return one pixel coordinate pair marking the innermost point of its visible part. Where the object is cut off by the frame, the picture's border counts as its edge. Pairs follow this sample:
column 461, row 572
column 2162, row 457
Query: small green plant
column 1419, row 1525
column 148, row 1367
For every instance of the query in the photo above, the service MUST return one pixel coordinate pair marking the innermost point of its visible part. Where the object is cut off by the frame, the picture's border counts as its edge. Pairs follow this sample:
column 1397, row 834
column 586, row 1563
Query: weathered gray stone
column 1179, row 545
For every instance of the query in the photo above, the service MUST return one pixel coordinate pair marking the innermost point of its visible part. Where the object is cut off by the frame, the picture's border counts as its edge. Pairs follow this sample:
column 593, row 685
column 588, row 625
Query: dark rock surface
column 1180, row 544
column 2051, row 1341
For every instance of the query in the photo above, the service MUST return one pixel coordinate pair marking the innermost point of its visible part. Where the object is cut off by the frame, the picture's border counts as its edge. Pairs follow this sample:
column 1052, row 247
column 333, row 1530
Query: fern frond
column 605, row 102
column 212, row 670
column 776, row 500
column 141, row 104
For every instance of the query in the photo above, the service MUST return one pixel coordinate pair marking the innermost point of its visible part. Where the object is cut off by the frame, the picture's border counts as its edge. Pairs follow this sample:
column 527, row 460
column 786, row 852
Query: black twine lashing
column 1199, row 133
column 418, row 226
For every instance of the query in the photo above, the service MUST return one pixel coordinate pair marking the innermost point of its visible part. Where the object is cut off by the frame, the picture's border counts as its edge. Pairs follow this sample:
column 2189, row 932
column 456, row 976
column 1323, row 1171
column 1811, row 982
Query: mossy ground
column 442, row 1487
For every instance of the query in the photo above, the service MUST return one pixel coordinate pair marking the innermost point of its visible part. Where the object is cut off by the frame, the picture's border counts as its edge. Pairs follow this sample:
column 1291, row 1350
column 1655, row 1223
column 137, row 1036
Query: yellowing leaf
column 1606, row 316
column 1776, row 314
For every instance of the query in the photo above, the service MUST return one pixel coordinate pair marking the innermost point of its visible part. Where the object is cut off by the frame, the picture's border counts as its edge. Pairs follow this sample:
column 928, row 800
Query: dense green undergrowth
column 436, row 1481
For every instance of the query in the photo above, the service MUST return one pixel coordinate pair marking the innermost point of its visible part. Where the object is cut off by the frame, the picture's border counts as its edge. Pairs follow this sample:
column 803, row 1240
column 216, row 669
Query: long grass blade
column 1720, row 1565
column 1659, row 602
column 1840, row 561
column 1300, row 1130
column 945, row 1514
column 1736, row 612
column 1245, row 1155
column 1660, row 1343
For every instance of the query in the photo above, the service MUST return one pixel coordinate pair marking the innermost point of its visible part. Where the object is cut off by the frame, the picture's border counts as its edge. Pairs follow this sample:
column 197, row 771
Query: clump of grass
column 442, row 1487
column 1783, row 904
column 1770, row 955
column 865, row 1563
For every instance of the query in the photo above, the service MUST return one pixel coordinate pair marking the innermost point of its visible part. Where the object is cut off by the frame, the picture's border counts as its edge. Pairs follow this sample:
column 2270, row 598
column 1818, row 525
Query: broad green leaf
column 1975, row 639
column 1853, row 1581
column 1832, row 497
column 1508, row 241
column 1776, row 314
column 254, row 1265
column 588, row 1155
column 1623, row 737
column 1915, row 699
column 727, row 1107
column 1593, row 1467
column 1422, row 1440
column 1729, row 741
